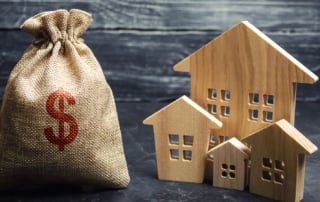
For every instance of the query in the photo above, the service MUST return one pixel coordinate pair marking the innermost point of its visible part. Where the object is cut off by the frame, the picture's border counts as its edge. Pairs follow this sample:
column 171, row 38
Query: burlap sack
column 59, row 123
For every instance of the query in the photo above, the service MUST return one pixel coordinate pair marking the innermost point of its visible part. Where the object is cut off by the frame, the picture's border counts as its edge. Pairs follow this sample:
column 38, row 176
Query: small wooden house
column 181, row 133
column 245, row 79
column 230, row 162
column 278, row 159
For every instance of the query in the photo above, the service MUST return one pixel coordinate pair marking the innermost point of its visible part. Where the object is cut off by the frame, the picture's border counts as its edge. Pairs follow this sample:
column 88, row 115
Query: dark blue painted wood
column 138, row 65
column 138, row 42
column 270, row 15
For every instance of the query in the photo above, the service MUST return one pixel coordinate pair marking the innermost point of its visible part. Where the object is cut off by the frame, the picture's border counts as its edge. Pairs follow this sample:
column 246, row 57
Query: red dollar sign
column 62, row 139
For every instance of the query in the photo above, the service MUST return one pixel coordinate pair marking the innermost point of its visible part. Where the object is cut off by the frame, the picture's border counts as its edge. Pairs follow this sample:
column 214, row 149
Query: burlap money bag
column 59, row 123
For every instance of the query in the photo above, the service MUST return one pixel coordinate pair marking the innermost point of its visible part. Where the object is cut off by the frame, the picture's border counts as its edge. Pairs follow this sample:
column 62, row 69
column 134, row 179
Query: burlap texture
column 59, row 85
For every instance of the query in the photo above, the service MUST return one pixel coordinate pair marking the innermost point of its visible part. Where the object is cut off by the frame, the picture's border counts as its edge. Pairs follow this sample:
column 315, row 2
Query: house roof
column 246, row 31
column 184, row 101
column 243, row 149
column 301, row 141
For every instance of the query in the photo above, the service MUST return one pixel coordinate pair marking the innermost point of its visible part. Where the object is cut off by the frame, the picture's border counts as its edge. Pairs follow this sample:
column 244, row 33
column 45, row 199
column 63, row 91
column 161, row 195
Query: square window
column 268, row 116
column 174, row 154
column 254, row 98
column 224, row 166
column 187, row 140
column 268, row 100
column 279, row 165
column 187, row 155
column 279, row 178
column 174, row 138
column 212, row 109
column 266, row 175
column 254, row 114
column 223, row 138
column 224, row 174
column 226, row 95
column 225, row 111
column 212, row 139
column 267, row 163
column 232, row 167
column 232, row 175
column 212, row 93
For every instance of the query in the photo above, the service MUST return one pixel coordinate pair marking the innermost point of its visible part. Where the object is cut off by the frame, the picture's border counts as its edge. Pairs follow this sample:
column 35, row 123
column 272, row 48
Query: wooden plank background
column 137, row 41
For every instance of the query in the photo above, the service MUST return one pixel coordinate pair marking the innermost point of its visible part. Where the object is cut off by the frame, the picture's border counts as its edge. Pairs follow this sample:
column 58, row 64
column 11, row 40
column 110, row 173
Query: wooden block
column 181, row 133
column 245, row 79
column 278, row 161
column 229, row 164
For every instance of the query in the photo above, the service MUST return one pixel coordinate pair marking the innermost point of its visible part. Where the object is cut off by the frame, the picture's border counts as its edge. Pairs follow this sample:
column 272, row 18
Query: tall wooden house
column 245, row 79
column 181, row 133
column 278, row 160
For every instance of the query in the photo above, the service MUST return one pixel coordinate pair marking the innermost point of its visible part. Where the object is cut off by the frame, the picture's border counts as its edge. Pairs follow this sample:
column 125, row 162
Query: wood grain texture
column 138, row 65
column 278, row 173
column 284, row 16
column 181, row 134
column 230, row 160
column 245, row 79
column 144, row 186
column 132, row 38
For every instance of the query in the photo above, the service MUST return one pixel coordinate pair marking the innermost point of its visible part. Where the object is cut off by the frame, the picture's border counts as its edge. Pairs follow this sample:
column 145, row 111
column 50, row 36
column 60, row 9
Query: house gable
column 180, row 106
column 254, row 49
column 230, row 165
column 282, row 129
column 245, row 79
column 181, row 133
column 243, row 150
column 278, row 161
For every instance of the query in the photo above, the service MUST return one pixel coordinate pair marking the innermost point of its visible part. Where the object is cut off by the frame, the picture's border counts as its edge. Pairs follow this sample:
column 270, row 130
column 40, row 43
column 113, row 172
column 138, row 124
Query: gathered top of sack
column 60, row 25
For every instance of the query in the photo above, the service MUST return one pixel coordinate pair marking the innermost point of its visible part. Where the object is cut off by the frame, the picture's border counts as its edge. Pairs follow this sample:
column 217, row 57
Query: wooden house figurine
column 278, row 159
column 181, row 133
column 245, row 79
column 230, row 162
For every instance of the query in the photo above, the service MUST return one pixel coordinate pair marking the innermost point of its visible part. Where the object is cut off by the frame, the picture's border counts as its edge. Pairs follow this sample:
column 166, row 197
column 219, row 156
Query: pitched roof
column 305, row 144
column 235, row 143
column 184, row 101
column 300, row 73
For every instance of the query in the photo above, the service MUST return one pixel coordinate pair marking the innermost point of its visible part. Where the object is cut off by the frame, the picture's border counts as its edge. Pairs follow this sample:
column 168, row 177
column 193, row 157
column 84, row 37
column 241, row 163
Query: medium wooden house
column 245, row 79
column 230, row 162
column 278, row 160
column 181, row 133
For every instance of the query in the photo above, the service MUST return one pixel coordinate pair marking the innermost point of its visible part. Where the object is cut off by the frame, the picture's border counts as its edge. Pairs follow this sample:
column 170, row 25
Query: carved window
column 268, row 116
column 188, row 140
column 225, row 111
column 254, row 98
column 261, row 107
column 228, row 171
column 213, row 139
column 180, row 147
column 212, row 93
column 187, row 155
column 174, row 139
column 226, row 95
column 212, row 108
column 269, row 100
column 254, row 114
column 218, row 102
column 273, row 171
column 174, row 154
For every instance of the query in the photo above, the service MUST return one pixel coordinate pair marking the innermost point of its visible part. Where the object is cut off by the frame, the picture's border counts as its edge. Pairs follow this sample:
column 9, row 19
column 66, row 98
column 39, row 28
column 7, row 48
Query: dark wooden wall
column 138, row 41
